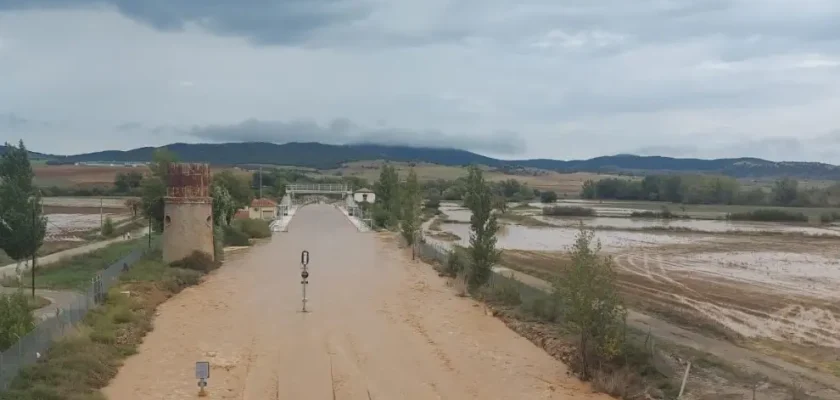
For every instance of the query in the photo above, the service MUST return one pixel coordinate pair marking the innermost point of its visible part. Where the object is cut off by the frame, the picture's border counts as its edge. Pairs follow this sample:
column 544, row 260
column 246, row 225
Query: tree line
column 710, row 189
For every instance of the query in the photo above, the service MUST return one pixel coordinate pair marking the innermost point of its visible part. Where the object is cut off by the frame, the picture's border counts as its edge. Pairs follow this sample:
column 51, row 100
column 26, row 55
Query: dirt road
column 381, row 327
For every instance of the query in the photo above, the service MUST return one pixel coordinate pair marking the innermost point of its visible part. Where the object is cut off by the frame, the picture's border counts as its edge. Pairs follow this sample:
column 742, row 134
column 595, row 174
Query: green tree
column 108, row 227
column 548, row 196
column 22, row 223
column 224, row 207
column 16, row 319
column 591, row 304
column 588, row 191
column 785, row 191
column 411, row 211
column 483, row 228
column 153, row 187
column 388, row 194
column 238, row 187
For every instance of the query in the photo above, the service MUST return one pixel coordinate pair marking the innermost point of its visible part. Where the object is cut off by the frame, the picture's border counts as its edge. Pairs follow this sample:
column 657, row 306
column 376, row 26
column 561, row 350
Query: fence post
column 685, row 378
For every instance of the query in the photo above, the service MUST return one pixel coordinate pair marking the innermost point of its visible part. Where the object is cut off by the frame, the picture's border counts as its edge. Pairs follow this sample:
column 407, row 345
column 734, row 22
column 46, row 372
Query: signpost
column 202, row 373
column 304, row 274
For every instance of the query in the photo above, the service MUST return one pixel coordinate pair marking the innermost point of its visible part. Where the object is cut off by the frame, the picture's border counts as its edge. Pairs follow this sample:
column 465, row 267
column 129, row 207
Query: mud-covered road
column 381, row 327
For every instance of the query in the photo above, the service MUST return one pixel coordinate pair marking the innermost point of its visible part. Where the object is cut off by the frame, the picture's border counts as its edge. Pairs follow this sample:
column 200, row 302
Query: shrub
column 664, row 214
column 234, row 237
column 502, row 290
column 828, row 218
column 433, row 202
column 176, row 279
column 544, row 308
column 254, row 228
column 108, row 227
column 455, row 264
column 197, row 261
column 560, row 211
column 16, row 318
column 548, row 197
column 768, row 215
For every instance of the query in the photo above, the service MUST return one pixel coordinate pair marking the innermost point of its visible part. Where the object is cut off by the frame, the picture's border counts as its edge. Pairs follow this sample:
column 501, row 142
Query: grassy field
column 87, row 176
column 76, row 272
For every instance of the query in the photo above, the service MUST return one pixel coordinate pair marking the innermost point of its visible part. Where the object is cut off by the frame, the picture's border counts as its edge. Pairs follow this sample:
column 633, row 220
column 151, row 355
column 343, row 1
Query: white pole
column 685, row 378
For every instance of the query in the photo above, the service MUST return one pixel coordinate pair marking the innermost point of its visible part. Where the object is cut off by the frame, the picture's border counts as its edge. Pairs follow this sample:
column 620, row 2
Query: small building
column 263, row 209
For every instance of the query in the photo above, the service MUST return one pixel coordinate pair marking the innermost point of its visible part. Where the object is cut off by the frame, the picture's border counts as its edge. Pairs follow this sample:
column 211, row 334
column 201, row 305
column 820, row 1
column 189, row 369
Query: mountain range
column 326, row 156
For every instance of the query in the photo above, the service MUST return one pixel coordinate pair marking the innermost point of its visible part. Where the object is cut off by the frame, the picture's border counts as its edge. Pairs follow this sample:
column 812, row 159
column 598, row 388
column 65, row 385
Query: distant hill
column 324, row 156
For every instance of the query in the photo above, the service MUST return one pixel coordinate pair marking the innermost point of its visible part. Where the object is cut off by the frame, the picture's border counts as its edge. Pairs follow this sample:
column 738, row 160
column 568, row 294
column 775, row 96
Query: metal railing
column 317, row 188
column 34, row 345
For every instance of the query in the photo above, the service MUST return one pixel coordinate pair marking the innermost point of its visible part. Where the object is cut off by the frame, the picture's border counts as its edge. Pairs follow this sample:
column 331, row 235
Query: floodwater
column 520, row 237
column 692, row 224
column 63, row 227
column 380, row 327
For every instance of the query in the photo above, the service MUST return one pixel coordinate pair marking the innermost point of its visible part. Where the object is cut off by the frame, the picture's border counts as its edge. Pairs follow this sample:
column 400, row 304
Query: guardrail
column 32, row 346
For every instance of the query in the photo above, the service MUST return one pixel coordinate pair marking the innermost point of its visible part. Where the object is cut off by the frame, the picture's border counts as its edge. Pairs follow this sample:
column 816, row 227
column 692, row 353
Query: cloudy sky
column 512, row 79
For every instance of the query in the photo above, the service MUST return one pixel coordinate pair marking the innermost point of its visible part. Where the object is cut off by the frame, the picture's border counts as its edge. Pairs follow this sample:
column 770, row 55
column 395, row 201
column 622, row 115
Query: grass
column 521, row 219
column 75, row 272
column 769, row 215
column 77, row 366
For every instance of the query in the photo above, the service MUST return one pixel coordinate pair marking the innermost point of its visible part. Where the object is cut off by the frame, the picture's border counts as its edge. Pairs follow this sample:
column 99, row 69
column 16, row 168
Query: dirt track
column 381, row 327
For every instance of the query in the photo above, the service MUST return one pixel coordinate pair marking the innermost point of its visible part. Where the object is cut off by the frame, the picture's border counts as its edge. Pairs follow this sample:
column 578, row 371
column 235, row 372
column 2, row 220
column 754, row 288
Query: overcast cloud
column 533, row 78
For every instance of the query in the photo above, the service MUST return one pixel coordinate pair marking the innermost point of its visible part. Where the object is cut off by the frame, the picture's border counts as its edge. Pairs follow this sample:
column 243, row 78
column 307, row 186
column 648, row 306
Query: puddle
column 698, row 225
column 557, row 239
column 61, row 227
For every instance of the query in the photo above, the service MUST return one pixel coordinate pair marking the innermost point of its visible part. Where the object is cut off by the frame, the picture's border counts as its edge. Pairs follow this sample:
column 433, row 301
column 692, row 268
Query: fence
column 35, row 344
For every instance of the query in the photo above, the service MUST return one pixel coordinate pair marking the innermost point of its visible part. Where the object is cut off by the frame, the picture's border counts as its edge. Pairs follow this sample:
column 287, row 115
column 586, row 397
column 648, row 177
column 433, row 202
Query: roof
column 263, row 203
column 364, row 190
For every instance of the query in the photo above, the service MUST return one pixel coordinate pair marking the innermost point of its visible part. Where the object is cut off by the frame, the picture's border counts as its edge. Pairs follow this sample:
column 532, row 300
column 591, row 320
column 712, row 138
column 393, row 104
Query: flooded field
column 558, row 239
column 722, row 278
column 66, row 227
column 85, row 202
column 710, row 226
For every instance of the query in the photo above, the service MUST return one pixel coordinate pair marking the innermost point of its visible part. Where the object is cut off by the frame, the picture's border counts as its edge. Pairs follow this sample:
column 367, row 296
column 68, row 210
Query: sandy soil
column 380, row 327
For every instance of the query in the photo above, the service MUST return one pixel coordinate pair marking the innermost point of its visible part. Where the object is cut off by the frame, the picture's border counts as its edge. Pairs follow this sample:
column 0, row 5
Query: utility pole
column 260, row 182
column 100, row 217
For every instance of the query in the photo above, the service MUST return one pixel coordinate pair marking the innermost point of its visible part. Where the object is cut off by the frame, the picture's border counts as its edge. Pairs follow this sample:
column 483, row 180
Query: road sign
column 202, row 370
column 304, row 274
column 304, row 258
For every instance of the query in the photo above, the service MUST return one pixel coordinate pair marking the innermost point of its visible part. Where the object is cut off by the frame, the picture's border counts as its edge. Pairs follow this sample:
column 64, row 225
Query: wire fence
column 32, row 346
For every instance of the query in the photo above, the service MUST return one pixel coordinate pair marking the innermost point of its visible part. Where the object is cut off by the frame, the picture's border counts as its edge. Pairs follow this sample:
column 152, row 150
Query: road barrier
column 35, row 344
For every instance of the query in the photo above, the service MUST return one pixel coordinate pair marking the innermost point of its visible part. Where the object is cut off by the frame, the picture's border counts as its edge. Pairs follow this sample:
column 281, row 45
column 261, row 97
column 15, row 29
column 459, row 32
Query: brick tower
column 188, row 212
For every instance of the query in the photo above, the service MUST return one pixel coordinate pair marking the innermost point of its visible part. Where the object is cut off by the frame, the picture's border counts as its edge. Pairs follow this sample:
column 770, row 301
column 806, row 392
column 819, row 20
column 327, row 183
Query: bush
column 768, row 215
column 544, row 308
column 548, row 197
column 108, row 227
column 218, row 243
column 176, row 279
column 828, row 218
column 664, row 214
column 502, row 290
column 16, row 318
column 559, row 211
column 254, row 228
column 455, row 264
column 433, row 202
column 197, row 261
column 235, row 237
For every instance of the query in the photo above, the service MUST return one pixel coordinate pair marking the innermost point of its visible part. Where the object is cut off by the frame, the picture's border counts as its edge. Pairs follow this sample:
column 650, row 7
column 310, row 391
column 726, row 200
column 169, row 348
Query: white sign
column 202, row 370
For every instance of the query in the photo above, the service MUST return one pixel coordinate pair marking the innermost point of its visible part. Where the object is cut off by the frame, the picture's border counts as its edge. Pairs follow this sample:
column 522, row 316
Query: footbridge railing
column 317, row 188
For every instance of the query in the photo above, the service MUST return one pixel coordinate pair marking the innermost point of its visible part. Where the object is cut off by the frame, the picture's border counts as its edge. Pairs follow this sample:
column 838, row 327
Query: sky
column 520, row 79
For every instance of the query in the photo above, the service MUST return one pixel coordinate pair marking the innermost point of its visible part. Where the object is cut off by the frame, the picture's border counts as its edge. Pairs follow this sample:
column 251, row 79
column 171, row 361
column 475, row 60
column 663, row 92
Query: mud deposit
column 381, row 327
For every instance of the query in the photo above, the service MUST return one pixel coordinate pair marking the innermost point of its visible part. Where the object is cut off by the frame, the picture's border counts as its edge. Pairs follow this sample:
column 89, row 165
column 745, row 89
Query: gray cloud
column 13, row 121
column 343, row 131
column 572, row 79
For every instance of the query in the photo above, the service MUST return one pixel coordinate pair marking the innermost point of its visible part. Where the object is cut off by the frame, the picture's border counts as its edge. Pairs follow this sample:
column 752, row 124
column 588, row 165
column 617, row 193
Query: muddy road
column 380, row 327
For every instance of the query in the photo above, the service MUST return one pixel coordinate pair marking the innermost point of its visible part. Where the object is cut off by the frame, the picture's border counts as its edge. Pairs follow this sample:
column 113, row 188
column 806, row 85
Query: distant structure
column 188, row 212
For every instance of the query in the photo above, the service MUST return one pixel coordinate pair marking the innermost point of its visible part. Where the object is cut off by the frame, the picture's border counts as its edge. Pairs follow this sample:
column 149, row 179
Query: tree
column 125, row 182
column 23, row 224
column 483, row 228
column 224, row 207
column 153, row 187
column 16, row 319
column 785, row 191
column 591, row 304
column 548, row 196
column 134, row 205
column 500, row 203
column 411, row 211
column 238, row 187
column 387, row 194
column 108, row 227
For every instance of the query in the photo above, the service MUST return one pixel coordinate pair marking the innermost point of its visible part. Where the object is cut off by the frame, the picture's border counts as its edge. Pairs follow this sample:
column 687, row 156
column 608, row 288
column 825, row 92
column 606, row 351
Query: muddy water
column 381, row 327
column 556, row 239
column 697, row 225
